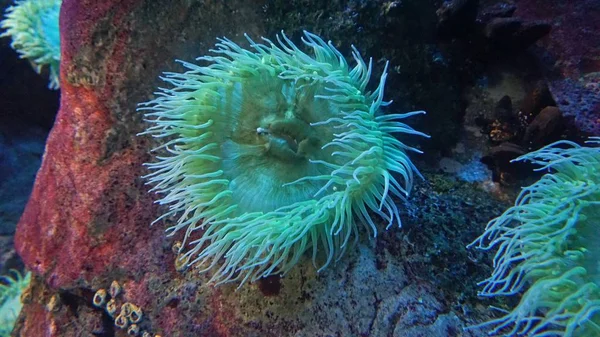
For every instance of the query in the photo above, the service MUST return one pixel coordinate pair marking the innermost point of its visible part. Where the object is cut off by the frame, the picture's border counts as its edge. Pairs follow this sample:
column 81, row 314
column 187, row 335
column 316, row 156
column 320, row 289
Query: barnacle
column 121, row 321
column 272, row 152
column 133, row 330
column 33, row 27
column 99, row 299
column 111, row 307
column 54, row 303
column 11, row 289
column 126, row 309
column 135, row 316
column 548, row 247
column 115, row 289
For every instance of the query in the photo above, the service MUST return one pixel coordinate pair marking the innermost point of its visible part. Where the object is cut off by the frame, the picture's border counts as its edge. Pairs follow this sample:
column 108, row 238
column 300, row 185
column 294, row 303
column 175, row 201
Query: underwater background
column 498, row 80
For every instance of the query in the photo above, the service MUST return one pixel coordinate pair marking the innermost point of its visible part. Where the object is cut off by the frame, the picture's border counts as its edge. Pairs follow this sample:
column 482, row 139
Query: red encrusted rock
column 88, row 220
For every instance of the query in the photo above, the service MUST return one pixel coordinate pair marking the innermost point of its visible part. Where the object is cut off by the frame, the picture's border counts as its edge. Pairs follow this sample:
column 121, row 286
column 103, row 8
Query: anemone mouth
column 274, row 141
column 273, row 152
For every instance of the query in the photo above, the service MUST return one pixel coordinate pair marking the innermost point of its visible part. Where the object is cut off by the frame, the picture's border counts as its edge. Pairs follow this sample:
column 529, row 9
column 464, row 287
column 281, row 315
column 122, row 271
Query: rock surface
column 570, row 52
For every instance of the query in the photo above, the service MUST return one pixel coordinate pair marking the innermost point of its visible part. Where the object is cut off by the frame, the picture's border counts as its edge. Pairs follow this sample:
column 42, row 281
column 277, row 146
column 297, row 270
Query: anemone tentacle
column 11, row 289
column 33, row 27
column 547, row 247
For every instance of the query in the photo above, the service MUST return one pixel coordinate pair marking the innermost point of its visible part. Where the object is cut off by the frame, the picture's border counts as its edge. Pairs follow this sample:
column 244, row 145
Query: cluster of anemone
column 269, row 152
column 33, row 27
column 548, row 247
column 11, row 289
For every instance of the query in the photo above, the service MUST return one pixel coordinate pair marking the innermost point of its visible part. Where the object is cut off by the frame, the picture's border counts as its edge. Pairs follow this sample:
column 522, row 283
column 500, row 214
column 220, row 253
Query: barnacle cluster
column 33, row 27
column 127, row 317
column 269, row 152
column 548, row 247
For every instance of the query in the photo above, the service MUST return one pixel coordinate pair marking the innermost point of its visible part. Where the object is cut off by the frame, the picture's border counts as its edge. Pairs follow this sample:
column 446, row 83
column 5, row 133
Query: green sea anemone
column 549, row 247
column 33, row 27
column 273, row 152
column 11, row 289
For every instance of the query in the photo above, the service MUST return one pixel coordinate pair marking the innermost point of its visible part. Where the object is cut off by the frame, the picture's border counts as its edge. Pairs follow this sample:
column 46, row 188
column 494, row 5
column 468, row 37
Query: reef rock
column 570, row 53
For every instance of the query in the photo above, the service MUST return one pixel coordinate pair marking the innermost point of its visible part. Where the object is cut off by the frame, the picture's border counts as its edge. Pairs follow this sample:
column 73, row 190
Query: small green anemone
column 273, row 152
column 33, row 27
column 11, row 289
column 549, row 247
